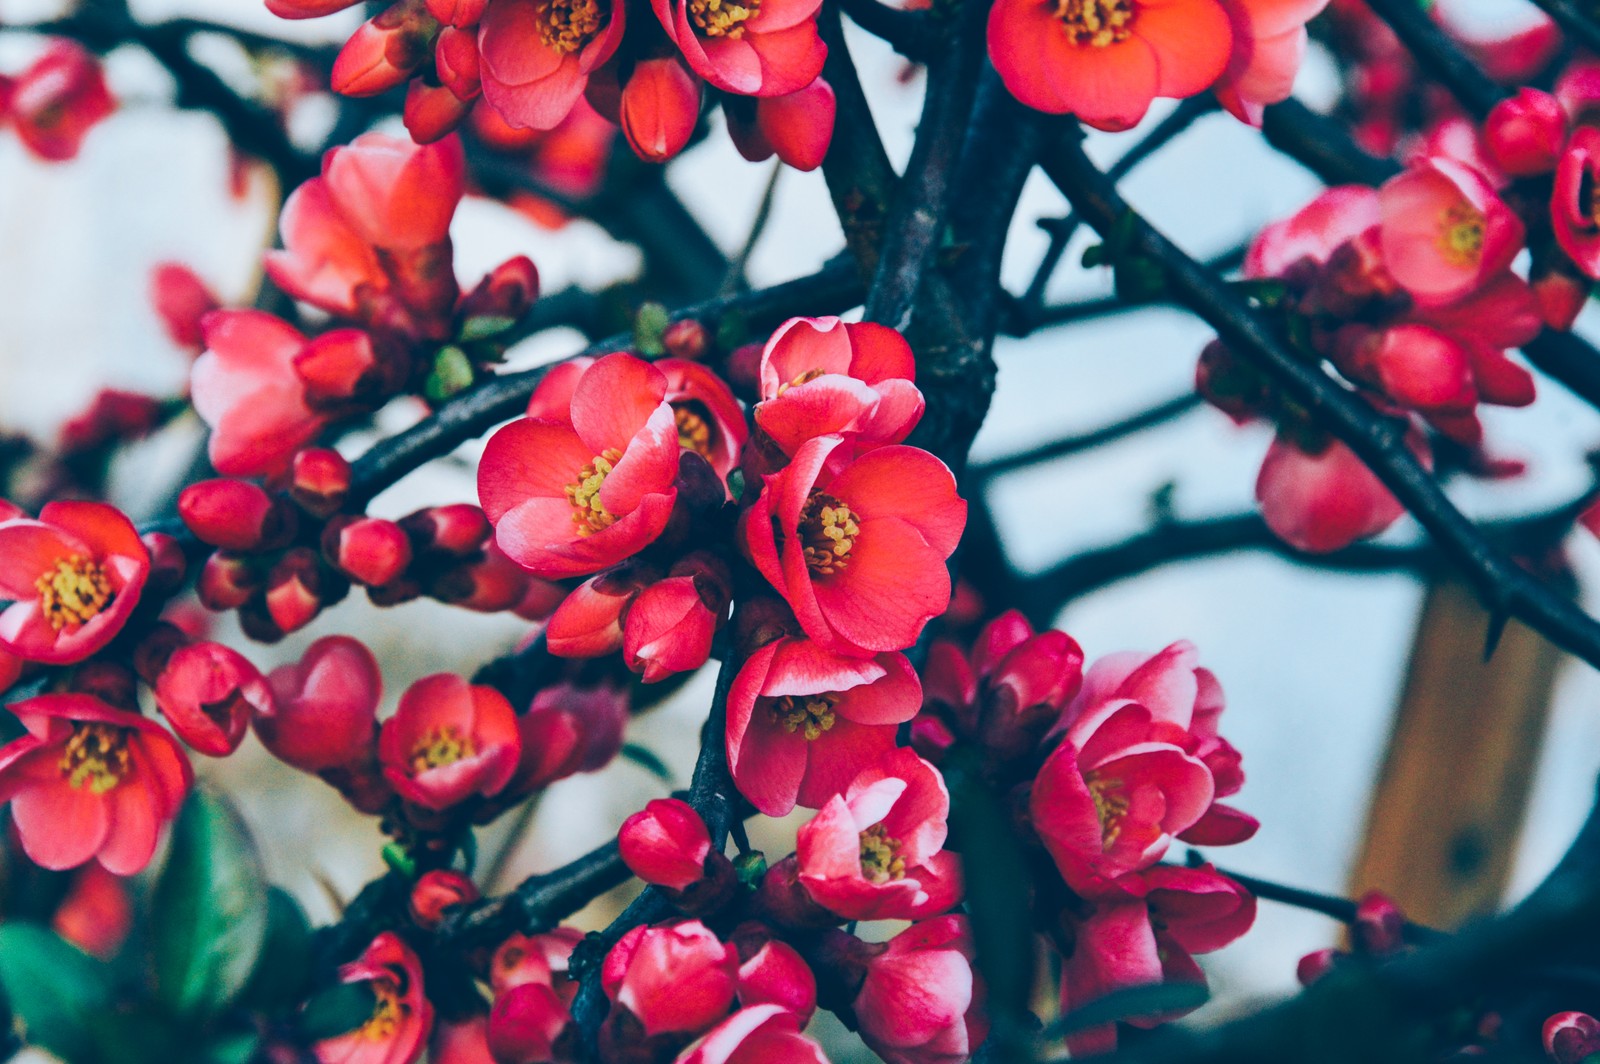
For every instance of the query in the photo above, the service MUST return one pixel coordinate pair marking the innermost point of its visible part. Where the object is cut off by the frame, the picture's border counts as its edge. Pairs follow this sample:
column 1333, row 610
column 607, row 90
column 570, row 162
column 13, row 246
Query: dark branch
column 1330, row 905
column 1438, row 54
column 539, row 903
column 1578, row 24
column 906, row 29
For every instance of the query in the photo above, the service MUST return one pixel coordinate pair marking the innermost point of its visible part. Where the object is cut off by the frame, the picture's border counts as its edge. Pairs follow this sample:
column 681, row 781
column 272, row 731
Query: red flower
column 448, row 741
column 325, row 707
column 857, row 544
column 1571, row 1037
column 526, row 1024
column 246, row 388
column 541, row 959
column 1269, row 40
column 753, row 48
column 1574, row 211
column 588, row 623
column 74, row 575
column 56, row 101
column 1444, row 232
column 97, row 913
column 209, row 693
column 674, row 979
column 323, row 261
column 181, row 299
column 1314, row 232
column 919, row 1002
column 666, row 844
column 394, row 193
column 671, row 623
column 90, row 781
column 1324, row 501
column 797, row 128
column 1525, row 133
column 824, row 377
column 572, row 497
column 772, row 972
column 874, row 852
column 402, row 1017
column 803, row 721
column 710, row 422
column 760, row 1034
column 434, row 892
column 1105, row 60
column 537, row 57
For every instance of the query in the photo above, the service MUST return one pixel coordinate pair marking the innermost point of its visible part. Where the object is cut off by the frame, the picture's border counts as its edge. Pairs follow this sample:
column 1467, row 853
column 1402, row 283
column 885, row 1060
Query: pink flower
column 874, row 852
column 671, row 623
column 402, row 1016
column 1574, row 213
column 666, row 844
column 759, row 1034
column 324, row 261
column 56, row 101
column 803, row 721
column 572, row 497
column 1106, row 62
column 588, row 623
column 526, row 1024
column 919, row 1002
column 1525, row 133
column 1415, row 365
column 181, row 299
column 674, row 979
column 449, row 741
column 1314, row 232
column 246, row 388
column 90, row 781
column 73, row 576
column 209, row 693
column 1444, row 231
column 394, row 193
column 857, row 544
column 536, row 959
column 765, row 48
column 1324, row 501
column 1269, row 40
column 772, row 972
column 325, row 710
column 537, row 57
column 822, row 377
column 710, row 422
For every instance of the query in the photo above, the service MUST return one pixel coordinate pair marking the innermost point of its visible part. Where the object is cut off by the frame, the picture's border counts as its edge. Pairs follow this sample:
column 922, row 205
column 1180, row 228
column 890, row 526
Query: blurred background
column 1314, row 663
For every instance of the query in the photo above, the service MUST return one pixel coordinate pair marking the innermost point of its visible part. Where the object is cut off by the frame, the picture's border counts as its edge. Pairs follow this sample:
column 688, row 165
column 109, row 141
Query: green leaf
column 209, row 914
column 646, row 759
column 285, row 961
column 452, row 372
column 648, row 325
column 1129, row 1004
column 485, row 327
column 396, row 857
column 751, row 868
column 736, row 484
column 337, row 1010
column 58, row 992
column 233, row 1049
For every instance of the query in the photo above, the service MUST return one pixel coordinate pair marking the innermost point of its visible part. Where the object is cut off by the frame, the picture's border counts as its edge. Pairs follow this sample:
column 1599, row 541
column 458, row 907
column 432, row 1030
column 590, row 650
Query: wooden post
column 1450, row 798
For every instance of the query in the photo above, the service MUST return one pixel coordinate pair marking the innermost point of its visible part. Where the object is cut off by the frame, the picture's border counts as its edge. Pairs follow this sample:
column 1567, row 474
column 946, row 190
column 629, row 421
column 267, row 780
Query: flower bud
column 227, row 581
column 235, row 515
column 97, row 912
column 319, row 480
column 168, row 564
column 536, row 959
column 665, row 844
column 678, row 979
column 181, row 299
column 456, row 60
column 1379, row 927
column 458, row 13
column 296, row 9
column 526, row 1025
column 1570, row 1037
column 685, row 338
column 1524, row 134
column 151, row 655
column 671, row 624
column 507, row 291
column 432, row 112
column 54, row 103
column 773, row 972
column 436, row 891
column 588, row 623
column 370, row 550
column 799, row 126
column 1561, row 296
column 488, row 584
column 337, row 366
column 325, row 707
column 209, row 693
column 1315, row 965
column 660, row 106
column 385, row 51
column 782, row 900
column 459, row 528
column 295, row 587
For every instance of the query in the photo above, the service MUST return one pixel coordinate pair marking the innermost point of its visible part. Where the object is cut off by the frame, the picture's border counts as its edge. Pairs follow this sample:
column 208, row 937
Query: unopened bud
column 319, row 480
column 235, row 515
column 370, row 550
column 436, row 891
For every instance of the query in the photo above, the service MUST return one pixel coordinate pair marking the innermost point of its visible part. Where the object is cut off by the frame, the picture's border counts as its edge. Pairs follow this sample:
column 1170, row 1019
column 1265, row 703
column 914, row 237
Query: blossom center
column 568, row 25
column 588, row 512
column 74, row 592
column 723, row 18
column 96, row 757
column 810, row 715
column 1095, row 23
column 694, row 433
column 880, row 856
column 387, row 1012
column 1110, row 806
column 804, row 378
column 828, row 531
column 1461, row 234
column 1589, row 196
column 440, row 747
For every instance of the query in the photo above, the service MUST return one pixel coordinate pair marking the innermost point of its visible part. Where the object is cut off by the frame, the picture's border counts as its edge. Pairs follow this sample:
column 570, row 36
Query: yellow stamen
column 828, row 531
column 1110, row 805
column 694, row 432
column 880, row 856
column 1461, row 234
column 568, row 25
column 96, row 756
column 387, row 1012
column 723, row 18
column 588, row 512
column 74, row 592
column 1096, row 23
column 807, row 376
column 442, row 746
column 811, row 715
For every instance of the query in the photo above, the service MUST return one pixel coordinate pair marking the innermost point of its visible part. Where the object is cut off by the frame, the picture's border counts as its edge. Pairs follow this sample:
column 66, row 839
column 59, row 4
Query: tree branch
column 1574, row 21
column 1438, row 55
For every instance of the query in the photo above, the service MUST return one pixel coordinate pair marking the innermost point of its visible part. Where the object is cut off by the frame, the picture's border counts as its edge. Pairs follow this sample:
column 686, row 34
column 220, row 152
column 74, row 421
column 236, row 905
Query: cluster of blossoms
column 532, row 62
column 54, row 103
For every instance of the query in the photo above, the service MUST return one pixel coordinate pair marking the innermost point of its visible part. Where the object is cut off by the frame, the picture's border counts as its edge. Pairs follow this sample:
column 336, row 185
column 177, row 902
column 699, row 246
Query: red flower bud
column 97, row 913
column 370, row 550
column 337, row 366
column 235, row 515
column 1561, row 297
column 525, row 1025
column 436, row 891
column 799, row 126
column 773, row 972
column 55, row 102
column 296, row 9
column 294, row 589
column 536, row 959
column 209, row 693
column 660, row 106
column 588, row 623
column 432, row 112
column 456, row 60
column 1379, row 927
column 459, row 528
column 181, row 299
column 1314, row 966
column 670, row 625
column 319, row 480
column 507, row 291
column 488, row 584
column 227, row 581
column 1524, row 134
column 1570, row 1037
column 665, row 844
column 678, row 979
column 685, row 338
column 459, row 13
column 168, row 563
column 325, row 711
column 385, row 51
